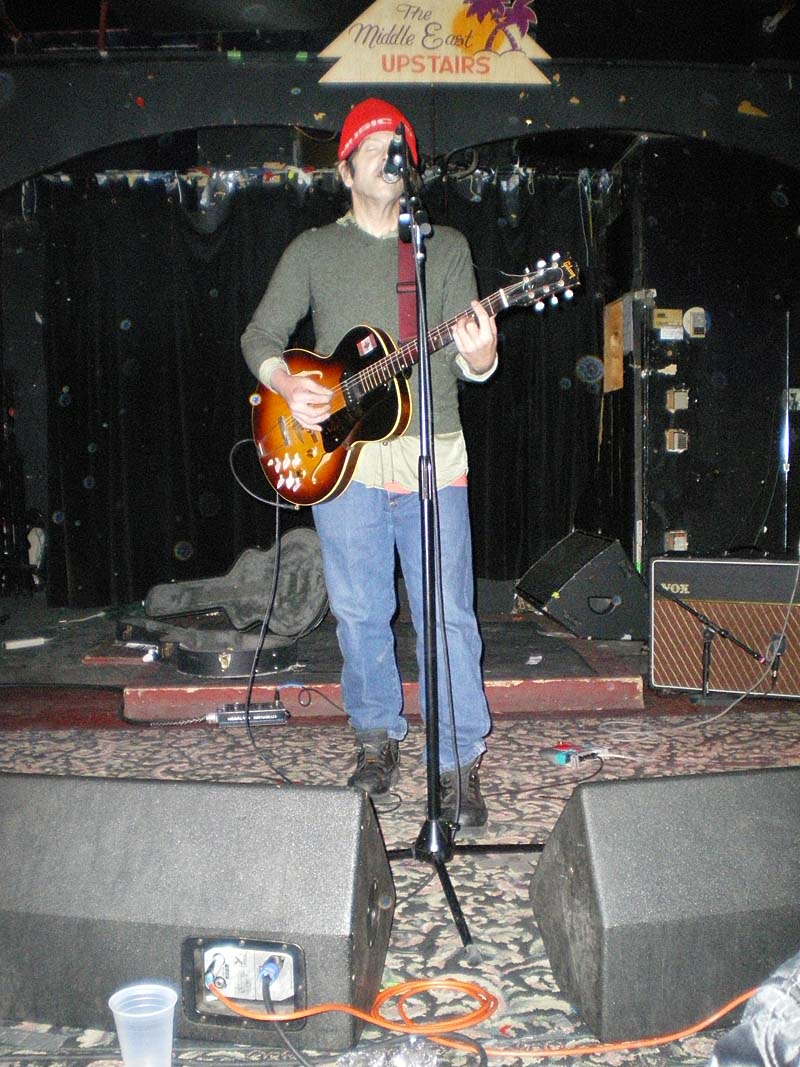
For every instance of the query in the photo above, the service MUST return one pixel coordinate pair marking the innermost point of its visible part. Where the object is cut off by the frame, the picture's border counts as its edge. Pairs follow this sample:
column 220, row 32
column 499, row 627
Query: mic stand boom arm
column 710, row 630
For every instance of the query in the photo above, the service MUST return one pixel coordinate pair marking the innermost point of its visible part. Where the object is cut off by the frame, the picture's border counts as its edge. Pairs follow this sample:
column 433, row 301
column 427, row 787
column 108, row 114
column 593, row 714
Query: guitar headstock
column 550, row 282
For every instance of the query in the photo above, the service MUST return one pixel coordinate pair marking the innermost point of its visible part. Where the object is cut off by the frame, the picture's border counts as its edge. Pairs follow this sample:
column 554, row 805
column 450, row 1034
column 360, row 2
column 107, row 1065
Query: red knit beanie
column 373, row 116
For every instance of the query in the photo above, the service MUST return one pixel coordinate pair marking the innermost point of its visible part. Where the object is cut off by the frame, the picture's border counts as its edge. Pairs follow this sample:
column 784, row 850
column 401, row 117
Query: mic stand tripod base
column 435, row 839
column 434, row 845
column 717, row 701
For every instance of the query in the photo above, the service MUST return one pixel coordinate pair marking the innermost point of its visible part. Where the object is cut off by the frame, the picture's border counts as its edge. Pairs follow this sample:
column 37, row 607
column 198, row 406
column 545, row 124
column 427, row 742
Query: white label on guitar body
column 366, row 345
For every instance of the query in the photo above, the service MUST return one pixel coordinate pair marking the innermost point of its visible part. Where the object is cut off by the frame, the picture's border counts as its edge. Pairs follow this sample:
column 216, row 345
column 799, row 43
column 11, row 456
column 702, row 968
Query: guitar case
column 211, row 626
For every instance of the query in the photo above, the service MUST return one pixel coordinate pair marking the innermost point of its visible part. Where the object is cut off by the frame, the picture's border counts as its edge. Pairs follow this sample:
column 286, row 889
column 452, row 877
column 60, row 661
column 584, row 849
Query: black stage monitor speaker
column 661, row 899
column 714, row 623
column 589, row 584
column 111, row 881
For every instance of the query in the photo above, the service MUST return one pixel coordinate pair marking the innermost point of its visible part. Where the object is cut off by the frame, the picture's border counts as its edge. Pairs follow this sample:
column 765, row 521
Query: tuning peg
column 556, row 256
column 540, row 264
column 568, row 294
column 539, row 305
column 553, row 300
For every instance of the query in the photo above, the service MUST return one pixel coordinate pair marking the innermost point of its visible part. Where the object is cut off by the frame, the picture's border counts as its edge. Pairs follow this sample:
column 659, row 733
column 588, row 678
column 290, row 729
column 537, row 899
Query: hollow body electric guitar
column 371, row 398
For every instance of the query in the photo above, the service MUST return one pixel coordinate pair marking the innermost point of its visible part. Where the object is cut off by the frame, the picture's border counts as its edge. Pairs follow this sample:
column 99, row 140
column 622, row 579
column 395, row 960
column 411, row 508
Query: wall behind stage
column 144, row 300
column 140, row 309
column 718, row 230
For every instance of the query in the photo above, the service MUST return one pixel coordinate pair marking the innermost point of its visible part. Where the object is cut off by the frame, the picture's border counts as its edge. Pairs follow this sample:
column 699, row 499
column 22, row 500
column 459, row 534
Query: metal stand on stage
column 785, row 446
column 435, row 841
column 710, row 630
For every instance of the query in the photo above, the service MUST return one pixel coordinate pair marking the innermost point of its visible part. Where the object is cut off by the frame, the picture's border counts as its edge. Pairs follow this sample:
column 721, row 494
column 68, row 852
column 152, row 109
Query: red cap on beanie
column 374, row 116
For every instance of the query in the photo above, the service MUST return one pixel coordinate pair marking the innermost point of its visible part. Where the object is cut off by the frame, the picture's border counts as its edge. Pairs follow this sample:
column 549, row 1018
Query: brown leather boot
column 473, row 808
column 377, row 763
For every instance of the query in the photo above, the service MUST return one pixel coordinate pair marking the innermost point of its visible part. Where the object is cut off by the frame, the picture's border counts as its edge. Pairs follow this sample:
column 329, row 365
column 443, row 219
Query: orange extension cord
column 487, row 1003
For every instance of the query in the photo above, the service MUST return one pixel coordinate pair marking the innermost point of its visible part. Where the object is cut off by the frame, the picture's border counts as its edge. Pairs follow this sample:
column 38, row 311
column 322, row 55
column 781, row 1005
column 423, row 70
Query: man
column 346, row 273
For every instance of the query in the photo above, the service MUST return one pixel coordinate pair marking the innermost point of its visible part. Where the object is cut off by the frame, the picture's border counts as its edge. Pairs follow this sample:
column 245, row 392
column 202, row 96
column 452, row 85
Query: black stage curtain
column 148, row 391
column 532, row 428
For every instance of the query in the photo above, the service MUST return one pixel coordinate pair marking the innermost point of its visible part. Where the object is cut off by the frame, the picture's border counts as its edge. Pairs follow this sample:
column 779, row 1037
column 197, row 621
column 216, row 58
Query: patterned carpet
column 525, row 794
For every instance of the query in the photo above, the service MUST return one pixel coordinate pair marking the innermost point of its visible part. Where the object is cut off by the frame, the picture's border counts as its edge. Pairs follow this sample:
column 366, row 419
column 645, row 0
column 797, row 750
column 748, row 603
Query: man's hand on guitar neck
column 308, row 400
column 476, row 338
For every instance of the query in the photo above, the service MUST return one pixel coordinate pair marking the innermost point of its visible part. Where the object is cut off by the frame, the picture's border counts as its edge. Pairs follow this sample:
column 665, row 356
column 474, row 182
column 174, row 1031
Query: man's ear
column 345, row 173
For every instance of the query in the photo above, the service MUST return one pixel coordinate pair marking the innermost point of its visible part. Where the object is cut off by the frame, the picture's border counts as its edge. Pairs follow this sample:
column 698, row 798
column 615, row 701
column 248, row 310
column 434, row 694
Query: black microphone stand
column 710, row 631
column 435, row 841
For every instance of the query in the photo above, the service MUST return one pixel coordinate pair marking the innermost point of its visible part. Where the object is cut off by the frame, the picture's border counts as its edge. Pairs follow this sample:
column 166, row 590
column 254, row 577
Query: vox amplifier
column 725, row 626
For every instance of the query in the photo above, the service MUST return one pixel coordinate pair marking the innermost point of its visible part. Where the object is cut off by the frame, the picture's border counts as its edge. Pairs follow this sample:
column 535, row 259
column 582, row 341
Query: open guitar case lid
column 211, row 626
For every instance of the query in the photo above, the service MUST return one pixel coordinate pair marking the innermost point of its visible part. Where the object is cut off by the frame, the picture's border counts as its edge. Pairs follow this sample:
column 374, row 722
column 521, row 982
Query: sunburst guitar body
column 307, row 467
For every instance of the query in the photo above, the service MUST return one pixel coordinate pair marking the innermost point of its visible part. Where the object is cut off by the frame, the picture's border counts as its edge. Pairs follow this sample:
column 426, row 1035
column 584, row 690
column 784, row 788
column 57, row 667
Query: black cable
column 477, row 1046
column 262, row 635
column 277, row 503
column 734, row 543
column 388, row 809
column 441, row 621
column 416, row 891
column 295, row 1051
column 304, row 703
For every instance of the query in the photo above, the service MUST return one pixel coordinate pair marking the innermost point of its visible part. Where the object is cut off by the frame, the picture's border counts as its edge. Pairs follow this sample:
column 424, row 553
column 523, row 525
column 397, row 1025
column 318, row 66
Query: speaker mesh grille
column 677, row 646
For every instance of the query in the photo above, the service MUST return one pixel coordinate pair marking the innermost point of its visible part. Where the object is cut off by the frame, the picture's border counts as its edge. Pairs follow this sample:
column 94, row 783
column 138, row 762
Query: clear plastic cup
column 144, row 1015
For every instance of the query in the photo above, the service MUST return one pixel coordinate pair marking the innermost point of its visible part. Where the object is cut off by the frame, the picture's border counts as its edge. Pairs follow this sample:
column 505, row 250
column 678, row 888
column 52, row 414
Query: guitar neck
column 529, row 288
column 440, row 336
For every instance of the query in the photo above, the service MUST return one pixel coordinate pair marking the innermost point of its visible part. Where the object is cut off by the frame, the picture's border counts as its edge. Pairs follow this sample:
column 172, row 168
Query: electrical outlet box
column 677, row 440
column 695, row 323
column 668, row 323
column 676, row 541
column 677, row 400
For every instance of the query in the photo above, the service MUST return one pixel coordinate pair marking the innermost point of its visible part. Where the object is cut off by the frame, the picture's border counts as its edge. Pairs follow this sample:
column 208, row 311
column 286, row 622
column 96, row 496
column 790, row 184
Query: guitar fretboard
column 528, row 290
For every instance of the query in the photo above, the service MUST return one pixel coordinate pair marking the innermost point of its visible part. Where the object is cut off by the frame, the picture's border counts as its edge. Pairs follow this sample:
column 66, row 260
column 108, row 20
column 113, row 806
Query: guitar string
column 388, row 364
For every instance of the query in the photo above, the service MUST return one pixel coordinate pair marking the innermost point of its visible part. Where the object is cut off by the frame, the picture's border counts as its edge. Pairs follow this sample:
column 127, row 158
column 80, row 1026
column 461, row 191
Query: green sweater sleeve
column 282, row 306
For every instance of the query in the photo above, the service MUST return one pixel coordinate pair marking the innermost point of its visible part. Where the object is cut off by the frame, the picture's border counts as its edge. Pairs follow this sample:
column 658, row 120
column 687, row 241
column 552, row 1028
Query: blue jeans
column 359, row 531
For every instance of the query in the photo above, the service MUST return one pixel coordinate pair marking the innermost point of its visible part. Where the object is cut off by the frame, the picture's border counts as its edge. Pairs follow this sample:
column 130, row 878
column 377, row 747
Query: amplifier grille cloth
column 677, row 652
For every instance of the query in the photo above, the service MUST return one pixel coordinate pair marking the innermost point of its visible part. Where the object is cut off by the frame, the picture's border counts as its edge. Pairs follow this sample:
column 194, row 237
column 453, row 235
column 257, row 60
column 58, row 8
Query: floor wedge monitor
column 112, row 881
column 717, row 624
column 589, row 584
column 659, row 900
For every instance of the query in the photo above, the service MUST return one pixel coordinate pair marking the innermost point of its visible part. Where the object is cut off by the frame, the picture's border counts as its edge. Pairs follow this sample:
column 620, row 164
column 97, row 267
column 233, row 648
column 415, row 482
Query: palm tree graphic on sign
column 505, row 16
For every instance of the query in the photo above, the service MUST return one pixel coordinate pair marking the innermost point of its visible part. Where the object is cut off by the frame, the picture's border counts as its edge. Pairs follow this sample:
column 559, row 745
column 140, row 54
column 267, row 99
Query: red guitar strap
column 406, row 291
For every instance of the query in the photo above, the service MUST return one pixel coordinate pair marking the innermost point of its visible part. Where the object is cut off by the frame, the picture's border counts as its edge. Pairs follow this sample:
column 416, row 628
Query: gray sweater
column 348, row 277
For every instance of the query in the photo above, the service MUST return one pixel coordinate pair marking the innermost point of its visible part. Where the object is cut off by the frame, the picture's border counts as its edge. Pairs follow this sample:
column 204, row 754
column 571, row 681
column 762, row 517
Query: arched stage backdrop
column 145, row 389
column 55, row 107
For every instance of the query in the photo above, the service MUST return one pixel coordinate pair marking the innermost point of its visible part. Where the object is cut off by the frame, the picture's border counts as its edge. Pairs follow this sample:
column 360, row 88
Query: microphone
column 396, row 162
column 775, row 652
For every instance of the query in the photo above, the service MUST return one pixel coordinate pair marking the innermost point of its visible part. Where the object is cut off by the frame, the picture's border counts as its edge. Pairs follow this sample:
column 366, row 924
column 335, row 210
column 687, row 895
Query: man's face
column 365, row 177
